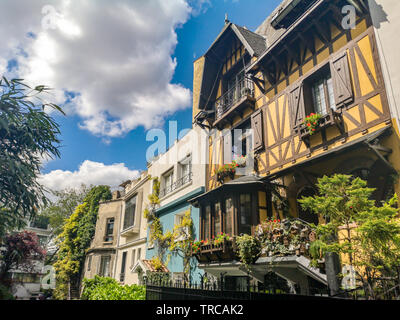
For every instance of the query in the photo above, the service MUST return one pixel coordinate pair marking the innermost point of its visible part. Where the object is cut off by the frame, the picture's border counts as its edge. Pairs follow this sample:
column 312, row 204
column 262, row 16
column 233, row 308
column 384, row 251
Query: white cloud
column 115, row 55
column 89, row 172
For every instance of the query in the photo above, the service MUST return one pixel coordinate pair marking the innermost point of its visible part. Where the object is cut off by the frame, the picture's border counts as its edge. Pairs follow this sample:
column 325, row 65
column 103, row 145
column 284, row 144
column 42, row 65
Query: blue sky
column 81, row 140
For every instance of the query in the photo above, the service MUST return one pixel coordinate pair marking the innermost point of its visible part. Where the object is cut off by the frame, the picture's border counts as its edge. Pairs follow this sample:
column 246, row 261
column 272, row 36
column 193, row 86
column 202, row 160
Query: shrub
column 103, row 288
column 5, row 294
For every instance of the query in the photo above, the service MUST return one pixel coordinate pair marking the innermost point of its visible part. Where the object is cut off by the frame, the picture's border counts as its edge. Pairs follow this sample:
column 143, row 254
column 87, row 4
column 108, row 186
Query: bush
column 5, row 294
column 103, row 288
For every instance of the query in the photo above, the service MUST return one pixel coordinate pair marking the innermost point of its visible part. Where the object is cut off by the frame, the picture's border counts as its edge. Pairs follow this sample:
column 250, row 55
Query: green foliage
column 63, row 207
column 5, row 293
column 312, row 122
column 75, row 239
column 27, row 135
column 249, row 249
column 367, row 234
column 103, row 288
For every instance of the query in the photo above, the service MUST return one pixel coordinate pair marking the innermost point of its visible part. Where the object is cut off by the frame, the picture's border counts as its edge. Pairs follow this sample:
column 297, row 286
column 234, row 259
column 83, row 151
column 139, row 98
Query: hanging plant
column 249, row 249
column 312, row 122
column 228, row 170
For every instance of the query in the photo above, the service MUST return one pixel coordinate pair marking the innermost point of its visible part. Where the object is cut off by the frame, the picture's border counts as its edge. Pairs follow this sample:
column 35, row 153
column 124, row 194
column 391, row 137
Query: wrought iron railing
column 242, row 88
column 176, row 185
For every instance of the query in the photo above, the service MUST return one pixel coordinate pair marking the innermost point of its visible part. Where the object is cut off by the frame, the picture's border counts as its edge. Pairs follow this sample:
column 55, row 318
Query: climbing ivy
column 75, row 239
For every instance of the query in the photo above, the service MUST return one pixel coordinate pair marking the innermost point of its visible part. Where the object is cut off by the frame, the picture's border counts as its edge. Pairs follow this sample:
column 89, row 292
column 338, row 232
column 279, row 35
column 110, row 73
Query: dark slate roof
column 255, row 41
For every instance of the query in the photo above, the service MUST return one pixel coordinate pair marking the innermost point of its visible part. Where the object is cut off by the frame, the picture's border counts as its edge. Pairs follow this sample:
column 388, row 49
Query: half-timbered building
column 254, row 90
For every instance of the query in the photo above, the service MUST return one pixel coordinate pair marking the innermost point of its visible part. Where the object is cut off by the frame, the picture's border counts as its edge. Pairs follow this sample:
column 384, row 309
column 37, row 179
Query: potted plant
column 227, row 170
column 311, row 122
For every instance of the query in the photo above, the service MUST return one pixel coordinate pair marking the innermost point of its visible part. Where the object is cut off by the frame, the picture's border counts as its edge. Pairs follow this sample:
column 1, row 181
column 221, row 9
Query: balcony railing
column 225, row 251
column 176, row 185
column 242, row 89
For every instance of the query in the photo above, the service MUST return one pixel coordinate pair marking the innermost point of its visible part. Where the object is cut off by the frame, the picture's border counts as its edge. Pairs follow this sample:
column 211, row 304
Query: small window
column 319, row 92
column 228, row 219
column 139, row 252
column 245, row 213
column 133, row 257
column 130, row 209
column 241, row 140
column 185, row 170
column 89, row 265
column 217, row 218
column 168, row 179
column 123, row 265
column 206, row 224
column 105, row 266
column 109, row 230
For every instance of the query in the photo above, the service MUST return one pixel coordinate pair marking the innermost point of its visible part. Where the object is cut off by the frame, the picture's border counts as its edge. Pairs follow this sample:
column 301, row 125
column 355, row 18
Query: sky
column 117, row 68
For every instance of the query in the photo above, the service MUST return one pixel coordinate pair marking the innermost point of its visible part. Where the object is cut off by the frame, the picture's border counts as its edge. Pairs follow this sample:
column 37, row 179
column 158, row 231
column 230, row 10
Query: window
column 168, row 181
column 133, row 257
column 320, row 92
column 123, row 266
column 228, row 220
column 206, row 224
column 89, row 265
column 184, row 232
column 217, row 218
column 130, row 208
column 185, row 170
column 109, row 230
column 105, row 266
column 241, row 137
column 139, row 252
column 245, row 210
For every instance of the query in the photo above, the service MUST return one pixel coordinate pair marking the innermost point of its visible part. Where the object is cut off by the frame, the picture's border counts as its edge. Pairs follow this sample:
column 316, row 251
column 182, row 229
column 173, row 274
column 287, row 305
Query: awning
column 146, row 266
column 250, row 180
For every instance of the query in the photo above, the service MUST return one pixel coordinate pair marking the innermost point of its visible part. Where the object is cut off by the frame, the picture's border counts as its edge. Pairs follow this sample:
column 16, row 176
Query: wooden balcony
column 234, row 102
column 225, row 251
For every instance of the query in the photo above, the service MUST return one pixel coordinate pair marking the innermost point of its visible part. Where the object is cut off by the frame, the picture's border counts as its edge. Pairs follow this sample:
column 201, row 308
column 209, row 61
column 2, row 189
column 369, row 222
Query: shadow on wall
column 378, row 13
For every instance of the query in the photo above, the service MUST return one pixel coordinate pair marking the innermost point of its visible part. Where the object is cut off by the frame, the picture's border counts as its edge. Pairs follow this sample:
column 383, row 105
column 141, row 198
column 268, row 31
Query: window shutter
column 341, row 80
column 257, row 126
column 296, row 101
column 227, row 147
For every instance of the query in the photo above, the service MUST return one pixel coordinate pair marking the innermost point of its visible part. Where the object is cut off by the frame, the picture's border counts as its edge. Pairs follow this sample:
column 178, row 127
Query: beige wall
column 98, row 247
column 131, row 243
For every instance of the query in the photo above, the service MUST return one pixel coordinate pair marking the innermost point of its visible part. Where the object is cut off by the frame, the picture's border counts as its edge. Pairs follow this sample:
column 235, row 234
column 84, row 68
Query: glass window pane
column 228, row 229
column 245, row 214
column 217, row 219
column 332, row 103
column 318, row 93
column 206, row 218
column 130, row 209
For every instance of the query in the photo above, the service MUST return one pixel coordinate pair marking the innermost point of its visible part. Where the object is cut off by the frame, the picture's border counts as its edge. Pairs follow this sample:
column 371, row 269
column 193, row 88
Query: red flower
column 308, row 124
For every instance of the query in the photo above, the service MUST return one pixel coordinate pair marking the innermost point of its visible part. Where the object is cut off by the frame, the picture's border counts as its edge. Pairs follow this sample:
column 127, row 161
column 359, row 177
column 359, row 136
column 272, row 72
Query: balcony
column 176, row 185
column 225, row 251
column 234, row 101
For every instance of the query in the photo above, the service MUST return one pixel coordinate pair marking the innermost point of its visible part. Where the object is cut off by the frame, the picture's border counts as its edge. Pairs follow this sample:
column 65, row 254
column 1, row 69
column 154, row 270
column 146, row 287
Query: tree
column 27, row 135
column 369, row 236
column 63, row 207
column 19, row 252
column 75, row 239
